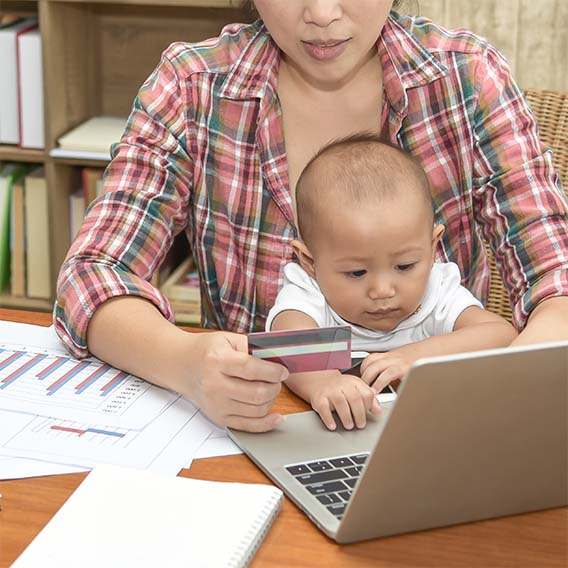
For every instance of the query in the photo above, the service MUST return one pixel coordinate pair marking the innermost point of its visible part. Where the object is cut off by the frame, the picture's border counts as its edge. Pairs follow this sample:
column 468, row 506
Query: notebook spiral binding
column 244, row 554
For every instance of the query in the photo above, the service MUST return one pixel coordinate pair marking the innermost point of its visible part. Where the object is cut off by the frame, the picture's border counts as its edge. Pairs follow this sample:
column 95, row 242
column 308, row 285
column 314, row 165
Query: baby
column 366, row 259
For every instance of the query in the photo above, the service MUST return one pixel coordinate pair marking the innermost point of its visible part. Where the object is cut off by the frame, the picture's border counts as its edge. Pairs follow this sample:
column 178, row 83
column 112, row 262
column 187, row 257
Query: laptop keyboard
column 330, row 481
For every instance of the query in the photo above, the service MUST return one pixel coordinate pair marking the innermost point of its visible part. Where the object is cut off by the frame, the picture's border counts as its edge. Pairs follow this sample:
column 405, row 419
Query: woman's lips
column 325, row 51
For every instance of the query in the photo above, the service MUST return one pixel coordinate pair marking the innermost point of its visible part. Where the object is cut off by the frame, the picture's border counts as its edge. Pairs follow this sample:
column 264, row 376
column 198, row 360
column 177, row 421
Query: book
column 9, row 174
column 122, row 517
column 9, row 104
column 95, row 135
column 90, row 178
column 30, row 89
column 17, row 241
column 36, row 221
column 76, row 212
column 183, row 283
column 103, row 157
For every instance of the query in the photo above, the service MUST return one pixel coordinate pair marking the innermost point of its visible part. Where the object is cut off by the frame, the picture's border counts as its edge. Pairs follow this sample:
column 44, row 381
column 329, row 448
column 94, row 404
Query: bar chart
column 170, row 439
column 54, row 384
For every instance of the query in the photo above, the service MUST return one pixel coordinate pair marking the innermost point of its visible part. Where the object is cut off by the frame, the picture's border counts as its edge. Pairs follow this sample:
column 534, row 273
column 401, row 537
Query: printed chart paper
column 49, row 382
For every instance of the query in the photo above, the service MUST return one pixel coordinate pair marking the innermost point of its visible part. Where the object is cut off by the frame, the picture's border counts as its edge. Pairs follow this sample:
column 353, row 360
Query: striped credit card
column 301, row 350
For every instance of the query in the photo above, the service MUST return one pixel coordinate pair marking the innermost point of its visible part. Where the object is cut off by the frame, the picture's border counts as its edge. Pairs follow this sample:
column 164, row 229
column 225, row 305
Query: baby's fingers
column 373, row 370
column 343, row 409
column 323, row 407
column 391, row 374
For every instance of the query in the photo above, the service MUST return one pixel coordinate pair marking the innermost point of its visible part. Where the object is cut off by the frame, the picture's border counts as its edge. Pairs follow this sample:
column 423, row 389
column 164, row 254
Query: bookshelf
column 96, row 54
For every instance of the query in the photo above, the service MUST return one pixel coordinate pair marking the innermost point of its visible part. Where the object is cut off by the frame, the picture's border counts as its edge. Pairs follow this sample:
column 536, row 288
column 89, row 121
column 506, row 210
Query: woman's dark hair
column 250, row 11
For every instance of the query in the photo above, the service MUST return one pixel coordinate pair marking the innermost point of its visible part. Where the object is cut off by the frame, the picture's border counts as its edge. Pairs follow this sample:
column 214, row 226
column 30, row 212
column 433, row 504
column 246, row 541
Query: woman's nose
column 323, row 12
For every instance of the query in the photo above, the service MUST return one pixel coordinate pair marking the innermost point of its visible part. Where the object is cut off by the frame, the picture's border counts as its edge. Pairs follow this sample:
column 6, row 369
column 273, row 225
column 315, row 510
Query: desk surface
column 532, row 540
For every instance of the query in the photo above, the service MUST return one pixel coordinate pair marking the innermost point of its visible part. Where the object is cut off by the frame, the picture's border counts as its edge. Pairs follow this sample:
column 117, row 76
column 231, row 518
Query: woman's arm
column 520, row 203
column 106, row 304
column 547, row 322
column 213, row 369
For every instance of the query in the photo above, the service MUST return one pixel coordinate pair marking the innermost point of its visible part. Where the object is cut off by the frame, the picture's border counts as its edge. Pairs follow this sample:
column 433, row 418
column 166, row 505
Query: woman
column 215, row 143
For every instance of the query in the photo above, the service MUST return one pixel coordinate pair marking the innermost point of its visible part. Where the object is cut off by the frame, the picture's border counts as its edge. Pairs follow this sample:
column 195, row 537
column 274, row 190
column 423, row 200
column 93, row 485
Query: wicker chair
column 551, row 110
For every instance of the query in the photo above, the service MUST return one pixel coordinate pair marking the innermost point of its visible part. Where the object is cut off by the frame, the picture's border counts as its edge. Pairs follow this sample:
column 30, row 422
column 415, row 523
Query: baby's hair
column 358, row 169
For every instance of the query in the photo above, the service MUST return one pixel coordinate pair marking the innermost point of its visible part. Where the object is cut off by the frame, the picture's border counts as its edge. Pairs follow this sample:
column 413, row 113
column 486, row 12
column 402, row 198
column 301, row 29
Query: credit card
column 301, row 350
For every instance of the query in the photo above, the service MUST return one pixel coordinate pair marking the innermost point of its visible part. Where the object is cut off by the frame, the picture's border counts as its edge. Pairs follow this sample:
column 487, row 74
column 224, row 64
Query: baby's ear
column 437, row 234
column 304, row 256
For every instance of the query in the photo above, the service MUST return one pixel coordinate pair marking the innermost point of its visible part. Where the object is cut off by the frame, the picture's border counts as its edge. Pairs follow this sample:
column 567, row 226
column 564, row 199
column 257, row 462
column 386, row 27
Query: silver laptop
column 468, row 437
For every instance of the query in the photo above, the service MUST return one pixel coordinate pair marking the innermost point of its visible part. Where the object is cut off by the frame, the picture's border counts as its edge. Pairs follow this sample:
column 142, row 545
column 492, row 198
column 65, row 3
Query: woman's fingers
column 264, row 424
column 234, row 388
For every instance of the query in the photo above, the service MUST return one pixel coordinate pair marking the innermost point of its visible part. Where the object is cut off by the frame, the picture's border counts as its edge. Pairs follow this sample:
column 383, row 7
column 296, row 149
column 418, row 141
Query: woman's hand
column 213, row 369
column 230, row 386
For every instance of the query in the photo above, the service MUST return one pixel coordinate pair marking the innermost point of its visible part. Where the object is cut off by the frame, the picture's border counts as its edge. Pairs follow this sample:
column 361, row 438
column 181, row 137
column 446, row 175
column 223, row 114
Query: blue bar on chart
column 51, row 368
column 91, row 379
column 81, row 431
column 21, row 370
column 113, row 383
column 11, row 359
column 53, row 388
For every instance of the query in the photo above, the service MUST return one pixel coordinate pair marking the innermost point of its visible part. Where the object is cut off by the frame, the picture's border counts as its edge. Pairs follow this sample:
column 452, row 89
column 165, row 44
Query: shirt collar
column 256, row 69
column 406, row 62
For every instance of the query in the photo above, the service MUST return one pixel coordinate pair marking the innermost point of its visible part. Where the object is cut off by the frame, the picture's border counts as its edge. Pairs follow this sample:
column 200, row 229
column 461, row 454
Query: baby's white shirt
column 444, row 300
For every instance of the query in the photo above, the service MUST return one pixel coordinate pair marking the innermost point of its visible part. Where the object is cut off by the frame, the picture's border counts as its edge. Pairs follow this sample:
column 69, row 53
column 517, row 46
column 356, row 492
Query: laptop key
column 352, row 481
column 354, row 471
column 320, row 466
column 341, row 462
column 298, row 469
column 310, row 478
column 359, row 459
column 338, row 509
column 345, row 495
column 321, row 488
column 328, row 498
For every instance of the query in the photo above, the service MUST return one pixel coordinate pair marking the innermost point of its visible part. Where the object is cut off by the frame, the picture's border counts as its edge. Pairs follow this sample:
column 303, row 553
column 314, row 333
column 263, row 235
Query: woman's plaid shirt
column 204, row 153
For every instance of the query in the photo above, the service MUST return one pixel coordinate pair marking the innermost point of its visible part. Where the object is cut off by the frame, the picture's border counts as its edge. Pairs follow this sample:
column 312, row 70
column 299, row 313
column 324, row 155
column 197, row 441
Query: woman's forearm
column 131, row 334
column 547, row 322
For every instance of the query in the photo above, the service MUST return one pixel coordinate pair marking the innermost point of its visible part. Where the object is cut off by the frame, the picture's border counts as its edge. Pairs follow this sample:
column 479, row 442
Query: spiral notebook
column 125, row 517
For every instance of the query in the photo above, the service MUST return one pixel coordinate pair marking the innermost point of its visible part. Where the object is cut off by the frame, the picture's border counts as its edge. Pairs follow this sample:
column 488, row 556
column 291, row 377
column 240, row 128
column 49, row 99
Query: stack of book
column 79, row 201
column 91, row 140
column 182, row 289
column 24, row 232
column 21, row 93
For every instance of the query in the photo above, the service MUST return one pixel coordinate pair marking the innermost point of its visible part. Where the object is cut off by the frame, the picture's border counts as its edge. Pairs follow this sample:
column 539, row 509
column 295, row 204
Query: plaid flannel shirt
column 204, row 153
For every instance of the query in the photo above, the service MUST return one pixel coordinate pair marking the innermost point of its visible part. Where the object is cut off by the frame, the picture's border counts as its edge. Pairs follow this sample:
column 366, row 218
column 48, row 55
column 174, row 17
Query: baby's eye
column 405, row 267
column 356, row 273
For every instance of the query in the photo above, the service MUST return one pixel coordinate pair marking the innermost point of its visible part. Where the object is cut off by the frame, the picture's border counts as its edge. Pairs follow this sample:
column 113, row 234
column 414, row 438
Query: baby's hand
column 349, row 396
column 380, row 369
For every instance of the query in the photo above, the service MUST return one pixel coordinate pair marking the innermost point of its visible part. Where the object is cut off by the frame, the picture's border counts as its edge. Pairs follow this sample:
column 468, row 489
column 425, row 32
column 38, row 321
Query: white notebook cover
column 122, row 517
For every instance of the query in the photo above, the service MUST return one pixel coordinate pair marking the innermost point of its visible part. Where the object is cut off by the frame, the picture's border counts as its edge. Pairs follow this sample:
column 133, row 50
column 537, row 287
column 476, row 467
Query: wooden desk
column 537, row 540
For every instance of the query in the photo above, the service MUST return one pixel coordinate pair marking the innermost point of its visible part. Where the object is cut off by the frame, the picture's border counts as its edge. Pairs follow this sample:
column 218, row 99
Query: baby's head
column 367, row 228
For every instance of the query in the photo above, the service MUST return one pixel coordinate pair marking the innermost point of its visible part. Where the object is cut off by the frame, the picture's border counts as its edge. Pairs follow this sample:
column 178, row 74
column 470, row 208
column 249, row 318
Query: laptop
column 468, row 437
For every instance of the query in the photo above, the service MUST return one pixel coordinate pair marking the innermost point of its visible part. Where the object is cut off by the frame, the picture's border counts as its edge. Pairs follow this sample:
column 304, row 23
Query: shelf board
column 9, row 301
column 81, row 162
column 10, row 153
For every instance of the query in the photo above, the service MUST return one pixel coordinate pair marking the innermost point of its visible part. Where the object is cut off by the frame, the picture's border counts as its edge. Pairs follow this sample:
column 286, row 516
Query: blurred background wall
column 533, row 34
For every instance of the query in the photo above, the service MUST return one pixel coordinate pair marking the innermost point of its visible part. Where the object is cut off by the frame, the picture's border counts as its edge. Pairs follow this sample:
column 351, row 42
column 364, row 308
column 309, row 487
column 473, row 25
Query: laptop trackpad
column 303, row 437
